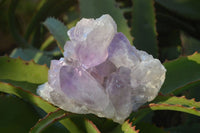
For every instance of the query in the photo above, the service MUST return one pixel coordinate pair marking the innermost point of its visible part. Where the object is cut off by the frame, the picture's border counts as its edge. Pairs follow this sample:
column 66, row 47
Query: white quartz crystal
column 101, row 73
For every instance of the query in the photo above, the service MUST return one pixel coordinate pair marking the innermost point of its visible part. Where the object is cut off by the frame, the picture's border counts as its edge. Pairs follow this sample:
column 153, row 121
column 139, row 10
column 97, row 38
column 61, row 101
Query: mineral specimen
column 101, row 73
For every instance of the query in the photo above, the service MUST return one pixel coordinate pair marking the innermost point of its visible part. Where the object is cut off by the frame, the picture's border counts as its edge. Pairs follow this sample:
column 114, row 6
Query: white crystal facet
column 121, row 53
column 86, row 38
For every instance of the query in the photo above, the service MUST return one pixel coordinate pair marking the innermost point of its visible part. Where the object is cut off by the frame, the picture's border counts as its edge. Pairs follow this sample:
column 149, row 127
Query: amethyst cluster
column 101, row 73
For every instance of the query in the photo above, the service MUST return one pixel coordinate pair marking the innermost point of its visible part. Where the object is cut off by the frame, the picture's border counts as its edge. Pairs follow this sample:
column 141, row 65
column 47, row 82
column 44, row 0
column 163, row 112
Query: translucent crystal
column 121, row 53
column 101, row 73
column 79, row 85
column 118, row 88
column 87, row 37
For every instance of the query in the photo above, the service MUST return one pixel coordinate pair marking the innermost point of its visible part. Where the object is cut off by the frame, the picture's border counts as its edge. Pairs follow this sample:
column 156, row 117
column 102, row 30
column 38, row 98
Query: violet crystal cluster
column 101, row 73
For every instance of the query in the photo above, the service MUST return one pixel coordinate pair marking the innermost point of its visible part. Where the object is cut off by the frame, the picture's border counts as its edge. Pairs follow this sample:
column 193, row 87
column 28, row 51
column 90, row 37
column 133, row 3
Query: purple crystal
column 80, row 86
column 118, row 88
column 101, row 73
column 121, row 53
column 88, row 36
column 53, row 76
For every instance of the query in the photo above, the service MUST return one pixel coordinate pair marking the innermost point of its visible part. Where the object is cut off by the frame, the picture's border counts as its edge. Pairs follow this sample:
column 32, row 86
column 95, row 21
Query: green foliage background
column 32, row 32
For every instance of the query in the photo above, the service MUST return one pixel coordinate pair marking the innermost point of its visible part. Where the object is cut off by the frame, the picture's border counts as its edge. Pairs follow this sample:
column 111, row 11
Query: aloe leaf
column 28, row 54
column 12, row 24
column 58, row 115
column 42, row 12
column 190, row 44
column 170, row 45
column 173, row 100
column 16, row 115
column 27, row 95
column 187, row 8
column 192, row 91
column 39, row 16
column 181, row 72
column 49, row 119
column 93, row 123
column 180, row 108
column 95, row 8
column 128, row 128
column 19, row 70
column 143, row 26
column 58, row 30
column 36, row 100
column 149, row 128
column 189, row 128
column 90, row 127
column 25, row 85
column 47, row 42
column 168, row 103
column 55, row 52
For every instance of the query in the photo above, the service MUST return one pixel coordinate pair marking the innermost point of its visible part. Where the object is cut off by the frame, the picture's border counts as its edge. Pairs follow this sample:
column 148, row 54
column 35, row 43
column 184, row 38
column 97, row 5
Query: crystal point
column 118, row 88
column 121, row 53
column 90, row 39
column 79, row 85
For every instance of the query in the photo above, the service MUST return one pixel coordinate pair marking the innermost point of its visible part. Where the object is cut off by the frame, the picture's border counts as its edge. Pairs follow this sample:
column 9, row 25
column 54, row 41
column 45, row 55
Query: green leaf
column 167, row 103
column 47, row 42
column 173, row 100
column 103, row 124
column 12, row 24
column 149, row 128
column 27, row 95
column 168, row 39
column 25, row 85
column 93, row 123
column 128, row 128
column 193, row 91
column 186, row 8
column 19, row 70
column 179, row 107
column 174, row 23
column 190, row 44
column 36, row 100
column 181, row 72
column 49, row 119
column 35, row 29
column 29, row 54
column 90, row 127
column 55, row 53
column 43, row 12
column 16, row 115
column 169, row 53
column 143, row 26
column 96, row 8
column 190, row 128
column 58, row 30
